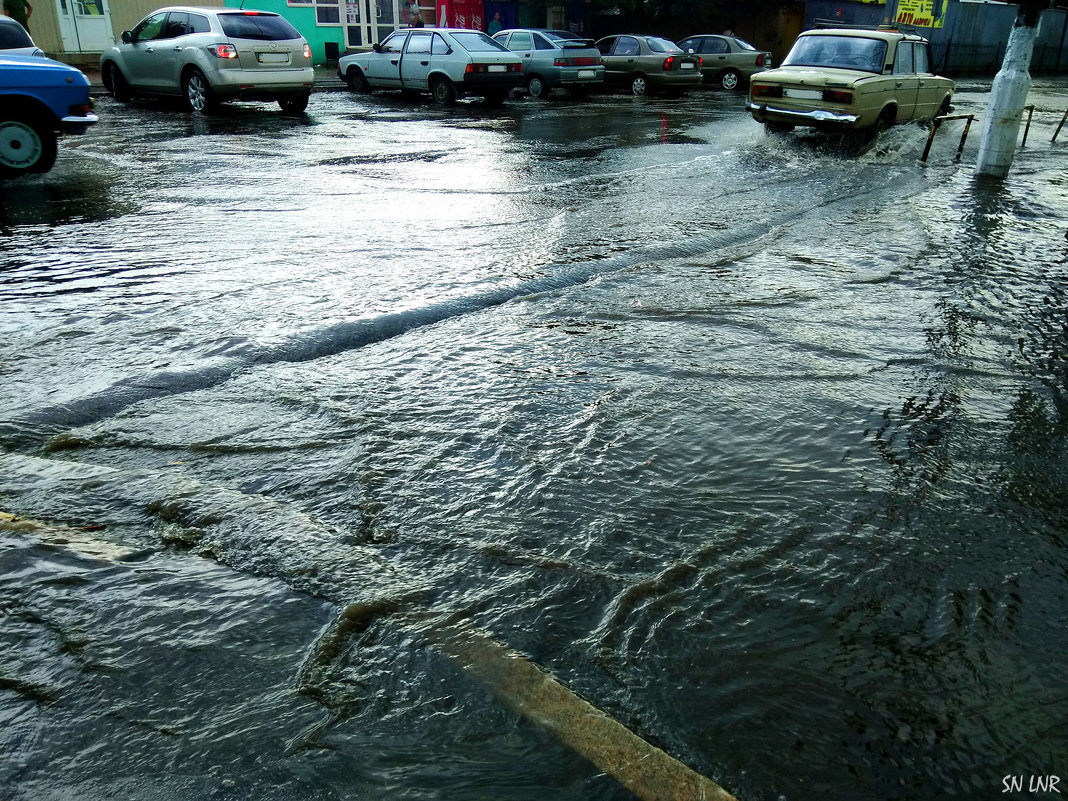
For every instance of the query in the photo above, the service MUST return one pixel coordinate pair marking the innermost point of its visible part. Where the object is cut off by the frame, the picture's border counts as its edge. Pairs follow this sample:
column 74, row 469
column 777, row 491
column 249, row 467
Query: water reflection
column 75, row 191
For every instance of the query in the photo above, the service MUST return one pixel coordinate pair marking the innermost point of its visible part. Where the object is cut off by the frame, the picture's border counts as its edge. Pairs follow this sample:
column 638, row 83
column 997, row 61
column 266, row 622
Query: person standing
column 415, row 15
column 495, row 25
column 20, row 11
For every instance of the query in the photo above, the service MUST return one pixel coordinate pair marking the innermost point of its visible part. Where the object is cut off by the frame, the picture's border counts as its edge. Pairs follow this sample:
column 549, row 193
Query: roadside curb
column 326, row 80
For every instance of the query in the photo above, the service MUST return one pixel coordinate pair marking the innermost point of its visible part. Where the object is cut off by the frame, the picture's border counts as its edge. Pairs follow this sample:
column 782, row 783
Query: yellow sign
column 921, row 13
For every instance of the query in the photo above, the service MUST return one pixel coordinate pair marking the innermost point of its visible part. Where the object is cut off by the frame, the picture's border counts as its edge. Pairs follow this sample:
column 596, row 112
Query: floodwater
column 755, row 445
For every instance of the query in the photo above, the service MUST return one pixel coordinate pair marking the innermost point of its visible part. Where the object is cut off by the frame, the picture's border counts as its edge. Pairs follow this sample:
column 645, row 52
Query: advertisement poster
column 921, row 13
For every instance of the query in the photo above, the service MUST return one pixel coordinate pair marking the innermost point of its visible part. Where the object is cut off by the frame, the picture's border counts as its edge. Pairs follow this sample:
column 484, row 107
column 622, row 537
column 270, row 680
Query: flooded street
column 756, row 446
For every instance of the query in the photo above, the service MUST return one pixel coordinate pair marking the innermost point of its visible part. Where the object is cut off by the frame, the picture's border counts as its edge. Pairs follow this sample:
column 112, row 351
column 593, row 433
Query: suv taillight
column 307, row 51
column 223, row 50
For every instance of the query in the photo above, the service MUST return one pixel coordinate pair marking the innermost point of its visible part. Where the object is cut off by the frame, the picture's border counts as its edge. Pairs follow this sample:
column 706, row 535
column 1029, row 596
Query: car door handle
column 899, row 84
column 393, row 61
column 425, row 63
column 149, row 50
column 178, row 48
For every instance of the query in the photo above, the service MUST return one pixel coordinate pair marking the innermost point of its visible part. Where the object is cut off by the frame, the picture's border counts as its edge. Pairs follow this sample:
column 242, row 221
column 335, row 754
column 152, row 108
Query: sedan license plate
column 587, row 74
column 497, row 68
column 273, row 58
column 686, row 65
column 804, row 94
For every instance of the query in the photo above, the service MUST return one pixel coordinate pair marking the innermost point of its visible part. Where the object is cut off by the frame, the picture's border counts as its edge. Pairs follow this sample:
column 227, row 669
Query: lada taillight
column 80, row 109
column 223, row 50
column 760, row 60
column 766, row 90
column 837, row 96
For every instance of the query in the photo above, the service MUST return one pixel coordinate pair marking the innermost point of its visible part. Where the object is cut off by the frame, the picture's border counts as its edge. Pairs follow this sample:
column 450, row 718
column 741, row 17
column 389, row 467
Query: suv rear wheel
column 26, row 145
column 294, row 104
column 198, row 94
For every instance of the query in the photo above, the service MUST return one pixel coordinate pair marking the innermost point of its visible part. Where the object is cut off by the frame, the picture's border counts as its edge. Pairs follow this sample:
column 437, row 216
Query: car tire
column 885, row 121
column 116, row 83
column 579, row 92
column 26, row 145
column 537, row 87
column 639, row 85
column 294, row 104
column 778, row 127
column 730, row 80
column 199, row 96
column 442, row 90
column 357, row 82
column 494, row 97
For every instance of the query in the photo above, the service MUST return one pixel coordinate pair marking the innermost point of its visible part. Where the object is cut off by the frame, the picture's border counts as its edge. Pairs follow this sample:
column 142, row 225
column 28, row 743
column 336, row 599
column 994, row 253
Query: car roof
column 886, row 34
column 214, row 10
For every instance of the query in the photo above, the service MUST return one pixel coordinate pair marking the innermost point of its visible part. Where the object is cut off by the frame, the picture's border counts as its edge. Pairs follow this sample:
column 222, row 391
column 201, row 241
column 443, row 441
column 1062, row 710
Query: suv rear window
column 12, row 36
column 265, row 27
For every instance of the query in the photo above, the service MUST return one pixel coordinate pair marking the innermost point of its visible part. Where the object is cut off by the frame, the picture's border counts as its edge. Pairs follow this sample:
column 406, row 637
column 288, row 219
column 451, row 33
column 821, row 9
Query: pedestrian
column 415, row 15
column 495, row 25
column 20, row 11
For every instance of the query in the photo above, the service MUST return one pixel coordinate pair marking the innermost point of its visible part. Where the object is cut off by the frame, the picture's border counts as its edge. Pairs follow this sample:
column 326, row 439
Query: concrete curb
column 326, row 80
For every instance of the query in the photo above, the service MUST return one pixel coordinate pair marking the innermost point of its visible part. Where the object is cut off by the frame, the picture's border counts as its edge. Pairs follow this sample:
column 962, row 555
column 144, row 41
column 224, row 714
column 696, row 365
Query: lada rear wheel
column 443, row 91
column 537, row 87
column 638, row 85
column 198, row 94
column 26, row 145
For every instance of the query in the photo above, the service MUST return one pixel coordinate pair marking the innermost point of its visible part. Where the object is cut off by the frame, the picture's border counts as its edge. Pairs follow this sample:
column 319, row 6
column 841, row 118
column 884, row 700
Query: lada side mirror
column 127, row 37
column 377, row 47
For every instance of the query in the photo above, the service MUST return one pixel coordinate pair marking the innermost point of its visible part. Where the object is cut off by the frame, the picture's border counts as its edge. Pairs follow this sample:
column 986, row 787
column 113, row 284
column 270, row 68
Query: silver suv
column 555, row 58
column 207, row 55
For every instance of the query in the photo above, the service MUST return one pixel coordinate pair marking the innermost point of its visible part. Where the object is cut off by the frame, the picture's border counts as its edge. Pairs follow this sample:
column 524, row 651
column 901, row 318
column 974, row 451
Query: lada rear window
column 264, row 27
column 13, row 36
column 478, row 42
column 662, row 45
column 843, row 52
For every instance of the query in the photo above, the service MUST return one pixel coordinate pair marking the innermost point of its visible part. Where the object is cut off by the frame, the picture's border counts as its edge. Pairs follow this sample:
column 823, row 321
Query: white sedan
column 446, row 62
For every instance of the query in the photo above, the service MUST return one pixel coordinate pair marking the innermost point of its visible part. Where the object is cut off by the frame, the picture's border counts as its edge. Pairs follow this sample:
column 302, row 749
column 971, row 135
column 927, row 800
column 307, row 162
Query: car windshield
column 843, row 52
column 478, row 42
column 662, row 45
column 561, row 35
column 12, row 36
column 252, row 25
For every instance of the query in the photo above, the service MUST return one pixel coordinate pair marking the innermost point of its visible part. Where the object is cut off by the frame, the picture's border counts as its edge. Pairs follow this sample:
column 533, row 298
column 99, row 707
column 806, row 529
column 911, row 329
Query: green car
column 646, row 64
column 850, row 81
column 728, row 62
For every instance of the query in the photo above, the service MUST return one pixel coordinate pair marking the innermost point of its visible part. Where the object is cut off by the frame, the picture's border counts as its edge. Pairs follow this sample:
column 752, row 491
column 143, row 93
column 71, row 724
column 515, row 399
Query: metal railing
column 937, row 122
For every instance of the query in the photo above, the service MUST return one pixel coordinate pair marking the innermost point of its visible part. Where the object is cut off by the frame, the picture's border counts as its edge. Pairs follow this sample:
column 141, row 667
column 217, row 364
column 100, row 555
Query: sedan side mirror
column 127, row 37
column 377, row 47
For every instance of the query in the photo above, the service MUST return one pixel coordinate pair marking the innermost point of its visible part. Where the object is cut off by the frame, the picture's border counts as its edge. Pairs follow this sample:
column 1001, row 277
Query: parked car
column 728, row 61
column 553, row 58
column 15, row 40
column 646, row 64
column 850, row 80
column 210, row 55
column 39, row 98
column 449, row 63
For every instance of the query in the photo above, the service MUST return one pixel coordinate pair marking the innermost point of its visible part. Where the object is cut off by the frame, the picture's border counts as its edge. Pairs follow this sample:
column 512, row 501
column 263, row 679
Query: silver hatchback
column 555, row 58
column 207, row 55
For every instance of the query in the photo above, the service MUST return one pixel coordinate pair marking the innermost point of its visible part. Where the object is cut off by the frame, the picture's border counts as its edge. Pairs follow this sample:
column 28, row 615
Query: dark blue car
column 39, row 98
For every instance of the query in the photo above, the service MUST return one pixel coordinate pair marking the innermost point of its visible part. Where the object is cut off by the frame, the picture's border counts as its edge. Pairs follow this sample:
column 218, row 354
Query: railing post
column 1030, row 113
column 1061, row 125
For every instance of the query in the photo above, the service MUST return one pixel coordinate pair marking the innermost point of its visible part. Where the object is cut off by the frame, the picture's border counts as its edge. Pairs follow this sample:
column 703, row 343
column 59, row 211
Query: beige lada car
column 850, row 80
